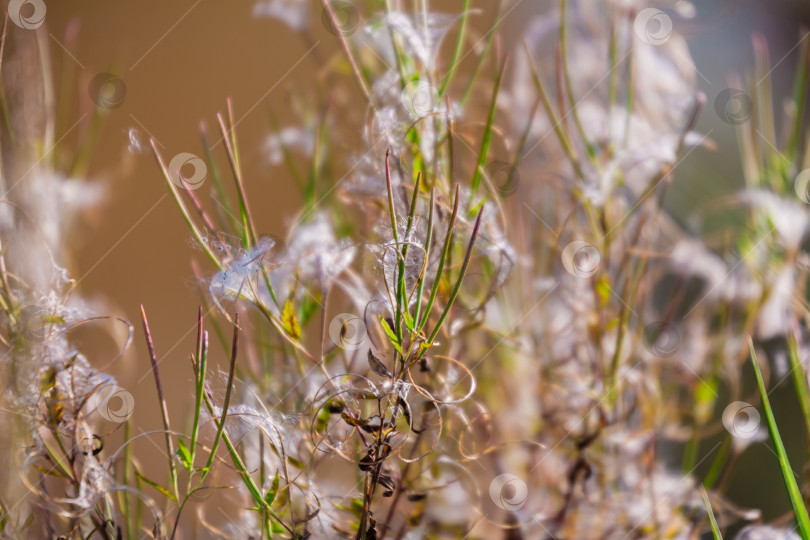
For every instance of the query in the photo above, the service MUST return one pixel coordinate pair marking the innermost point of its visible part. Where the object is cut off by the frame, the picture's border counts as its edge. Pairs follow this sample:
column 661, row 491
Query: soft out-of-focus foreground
column 407, row 269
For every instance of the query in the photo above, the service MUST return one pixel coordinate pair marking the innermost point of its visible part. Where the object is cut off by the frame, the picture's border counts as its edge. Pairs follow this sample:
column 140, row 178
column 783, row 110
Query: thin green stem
column 183, row 210
column 467, row 258
column 487, row 136
column 428, row 239
column 249, row 231
column 440, row 267
column 226, row 402
column 715, row 529
column 569, row 88
column 201, row 362
column 465, row 10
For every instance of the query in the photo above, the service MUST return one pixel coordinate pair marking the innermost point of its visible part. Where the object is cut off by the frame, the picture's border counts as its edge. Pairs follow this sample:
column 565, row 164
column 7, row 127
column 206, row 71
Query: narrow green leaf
column 183, row 454
column 50, row 319
column 445, row 249
column 228, row 135
column 183, row 210
column 352, row 421
column 474, row 209
column 487, row 137
column 569, row 87
column 799, row 379
column 490, row 39
column 221, row 434
column 270, row 496
column 705, row 396
column 295, row 462
column 309, row 307
column 715, row 529
column 428, row 240
column 461, row 273
column 795, row 495
column 290, row 322
column 465, row 11
column 556, row 124
column 391, row 335
column 200, row 366
column 409, row 323
column 28, row 521
column 275, row 526
column 155, row 485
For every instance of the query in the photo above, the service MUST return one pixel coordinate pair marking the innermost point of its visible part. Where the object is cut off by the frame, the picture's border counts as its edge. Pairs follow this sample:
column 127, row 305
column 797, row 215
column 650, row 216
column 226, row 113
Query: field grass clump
column 483, row 322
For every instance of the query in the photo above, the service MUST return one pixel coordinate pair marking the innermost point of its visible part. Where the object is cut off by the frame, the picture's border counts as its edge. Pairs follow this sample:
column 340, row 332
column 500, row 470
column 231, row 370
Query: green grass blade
column 795, row 495
column 183, row 210
column 200, row 362
column 402, row 294
column 490, row 37
column 569, row 88
column 465, row 10
column 244, row 210
column 487, row 137
column 400, row 264
column 715, row 529
column 244, row 474
column 463, row 271
column 391, row 209
column 799, row 379
column 224, row 210
column 428, row 238
column 445, row 250
column 226, row 402
column 556, row 123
